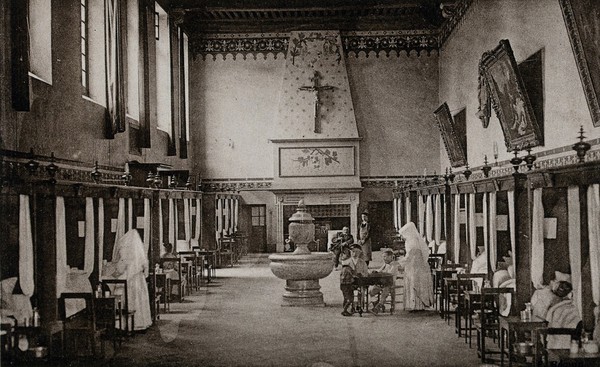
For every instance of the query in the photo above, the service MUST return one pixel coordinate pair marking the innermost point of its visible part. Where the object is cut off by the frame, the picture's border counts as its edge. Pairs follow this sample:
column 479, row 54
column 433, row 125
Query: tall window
column 84, row 48
column 133, row 49
column 93, row 63
column 40, row 39
column 186, row 85
column 163, row 72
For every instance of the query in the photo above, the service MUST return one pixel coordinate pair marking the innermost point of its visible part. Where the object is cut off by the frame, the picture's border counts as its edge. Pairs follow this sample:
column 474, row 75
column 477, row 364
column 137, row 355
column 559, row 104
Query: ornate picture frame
column 455, row 147
column 583, row 29
column 509, row 98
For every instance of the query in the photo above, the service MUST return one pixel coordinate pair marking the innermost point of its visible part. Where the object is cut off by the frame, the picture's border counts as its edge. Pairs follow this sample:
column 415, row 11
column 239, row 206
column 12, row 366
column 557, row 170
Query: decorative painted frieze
column 356, row 43
column 210, row 186
column 236, row 44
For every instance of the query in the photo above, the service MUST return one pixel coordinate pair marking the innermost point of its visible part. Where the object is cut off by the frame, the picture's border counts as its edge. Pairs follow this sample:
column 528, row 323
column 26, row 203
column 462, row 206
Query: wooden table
column 580, row 359
column 211, row 262
column 380, row 279
column 513, row 324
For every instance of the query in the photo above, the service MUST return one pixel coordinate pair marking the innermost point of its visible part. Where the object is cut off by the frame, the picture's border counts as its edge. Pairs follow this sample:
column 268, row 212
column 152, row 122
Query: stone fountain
column 302, row 269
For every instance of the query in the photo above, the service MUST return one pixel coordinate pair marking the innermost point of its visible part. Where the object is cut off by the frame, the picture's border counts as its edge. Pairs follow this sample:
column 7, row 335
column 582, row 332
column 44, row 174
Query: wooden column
column 523, row 214
column 44, row 234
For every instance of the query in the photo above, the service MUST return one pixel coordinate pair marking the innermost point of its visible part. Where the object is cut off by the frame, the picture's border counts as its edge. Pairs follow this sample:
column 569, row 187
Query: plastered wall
column 529, row 25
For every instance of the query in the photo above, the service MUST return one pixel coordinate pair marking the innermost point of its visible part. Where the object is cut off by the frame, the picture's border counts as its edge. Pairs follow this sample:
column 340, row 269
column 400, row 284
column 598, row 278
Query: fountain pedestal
column 302, row 269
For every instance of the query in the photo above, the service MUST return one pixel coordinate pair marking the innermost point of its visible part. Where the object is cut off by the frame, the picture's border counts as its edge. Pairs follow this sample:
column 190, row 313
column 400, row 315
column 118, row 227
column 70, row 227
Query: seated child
column 389, row 267
column 346, row 278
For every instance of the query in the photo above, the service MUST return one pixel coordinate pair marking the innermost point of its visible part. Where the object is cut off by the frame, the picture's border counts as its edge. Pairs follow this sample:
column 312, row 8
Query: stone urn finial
column 302, row 229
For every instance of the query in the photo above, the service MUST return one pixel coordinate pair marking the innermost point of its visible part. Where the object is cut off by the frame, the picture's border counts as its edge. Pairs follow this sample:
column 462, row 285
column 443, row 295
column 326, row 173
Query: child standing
column 346, row 278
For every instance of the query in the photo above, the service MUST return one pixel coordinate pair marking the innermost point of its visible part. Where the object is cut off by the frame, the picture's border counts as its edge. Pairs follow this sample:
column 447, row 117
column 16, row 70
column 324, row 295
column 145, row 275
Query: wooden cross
column 316, row 88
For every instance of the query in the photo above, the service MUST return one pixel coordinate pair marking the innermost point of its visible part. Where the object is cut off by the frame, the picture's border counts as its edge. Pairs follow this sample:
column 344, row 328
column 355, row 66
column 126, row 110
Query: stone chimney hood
column 315, row 140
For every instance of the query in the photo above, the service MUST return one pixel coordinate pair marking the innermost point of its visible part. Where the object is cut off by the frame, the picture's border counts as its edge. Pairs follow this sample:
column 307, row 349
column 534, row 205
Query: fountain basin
column 302, row 273
column 316, row 265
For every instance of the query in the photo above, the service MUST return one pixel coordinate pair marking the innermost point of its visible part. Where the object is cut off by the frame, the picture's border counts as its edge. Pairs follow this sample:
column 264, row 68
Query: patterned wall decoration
column 308, row 114
column 235, row 185
column 356, row 43
column 316, row 161
column 245, row 44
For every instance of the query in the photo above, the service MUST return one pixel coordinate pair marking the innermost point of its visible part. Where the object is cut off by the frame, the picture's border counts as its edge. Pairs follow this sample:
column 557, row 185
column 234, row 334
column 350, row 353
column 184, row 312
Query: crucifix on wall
column 316, row 88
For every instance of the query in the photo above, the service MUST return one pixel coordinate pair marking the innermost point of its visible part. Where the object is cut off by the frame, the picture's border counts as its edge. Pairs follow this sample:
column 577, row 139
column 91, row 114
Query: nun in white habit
column 418, row 287
column 130, row 262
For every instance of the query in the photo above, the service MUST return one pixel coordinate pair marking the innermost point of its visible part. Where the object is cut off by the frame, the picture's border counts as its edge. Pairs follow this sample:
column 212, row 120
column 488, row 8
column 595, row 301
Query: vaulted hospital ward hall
column 310, row 183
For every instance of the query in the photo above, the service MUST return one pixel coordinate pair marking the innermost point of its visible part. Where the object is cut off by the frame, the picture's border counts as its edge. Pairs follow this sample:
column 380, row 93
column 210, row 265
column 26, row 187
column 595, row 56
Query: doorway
column 381, row 218
column 257, row 239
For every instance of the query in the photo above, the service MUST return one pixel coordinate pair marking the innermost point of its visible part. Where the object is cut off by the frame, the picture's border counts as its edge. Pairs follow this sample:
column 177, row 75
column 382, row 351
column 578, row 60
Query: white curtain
column 428, row 219
column 198, row 219
column 512, row 227
column 187, row 219
column 408, row 208
column 537, row 240
column 219, row 218
column 472, row 226
column 574, row 214
column 90, row 234
column 438, row 220
column 456, row 228
column 395, row 203
column 593, row 199
column 421, row 214
column 115, row 80
column 147, row 225
column 61, row 247
column 100, row 233
column 120, row 226
column 493, row 245
column 399, row 209
column 227, row 224
column 236, row 214
column 25, row 247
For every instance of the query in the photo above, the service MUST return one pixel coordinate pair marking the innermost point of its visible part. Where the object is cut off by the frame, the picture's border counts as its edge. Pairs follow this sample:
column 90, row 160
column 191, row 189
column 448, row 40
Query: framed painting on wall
column 455, row 145
column 581, row 19
column 509, row 98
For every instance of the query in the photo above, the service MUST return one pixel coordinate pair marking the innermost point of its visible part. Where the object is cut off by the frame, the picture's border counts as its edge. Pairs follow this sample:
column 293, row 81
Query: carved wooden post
column 523, row 213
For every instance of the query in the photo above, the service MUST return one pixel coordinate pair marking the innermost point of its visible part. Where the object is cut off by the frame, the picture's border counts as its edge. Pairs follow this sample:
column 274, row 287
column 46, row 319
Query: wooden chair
column 82, row 324
column 489, row 314
column 6, row 342
column 541, row 344
column 197, row 268
column 180, row 281
column 123, row 313
column 465, row 283
column 105, row 310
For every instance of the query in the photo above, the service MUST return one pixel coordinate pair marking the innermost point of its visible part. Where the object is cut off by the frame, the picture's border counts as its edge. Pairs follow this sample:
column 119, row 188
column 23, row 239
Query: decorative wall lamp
column 529, row 159
column 486, row 167
column 581, row 147
column 32, row 165
column 516, row 161
column 52, row 169
column 467, row 172
column 126, row 177
column 172, row 182
column 95, row 174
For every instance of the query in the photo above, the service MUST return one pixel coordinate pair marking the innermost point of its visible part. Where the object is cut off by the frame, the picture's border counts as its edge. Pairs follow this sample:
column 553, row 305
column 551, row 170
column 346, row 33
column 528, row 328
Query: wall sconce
column 188, row 183
column 516, row 161
column 52, row 169
column 126, row 177
column 32, row 165
column 95, row 174
column 172, row 182
column 529, row 159
column 486, row 167
column 581, row 147
column 467, row 173
column 157, row 180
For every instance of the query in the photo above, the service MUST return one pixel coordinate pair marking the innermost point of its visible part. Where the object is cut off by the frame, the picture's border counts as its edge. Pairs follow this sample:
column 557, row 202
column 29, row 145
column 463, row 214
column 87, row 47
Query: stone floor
column 238, row 321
